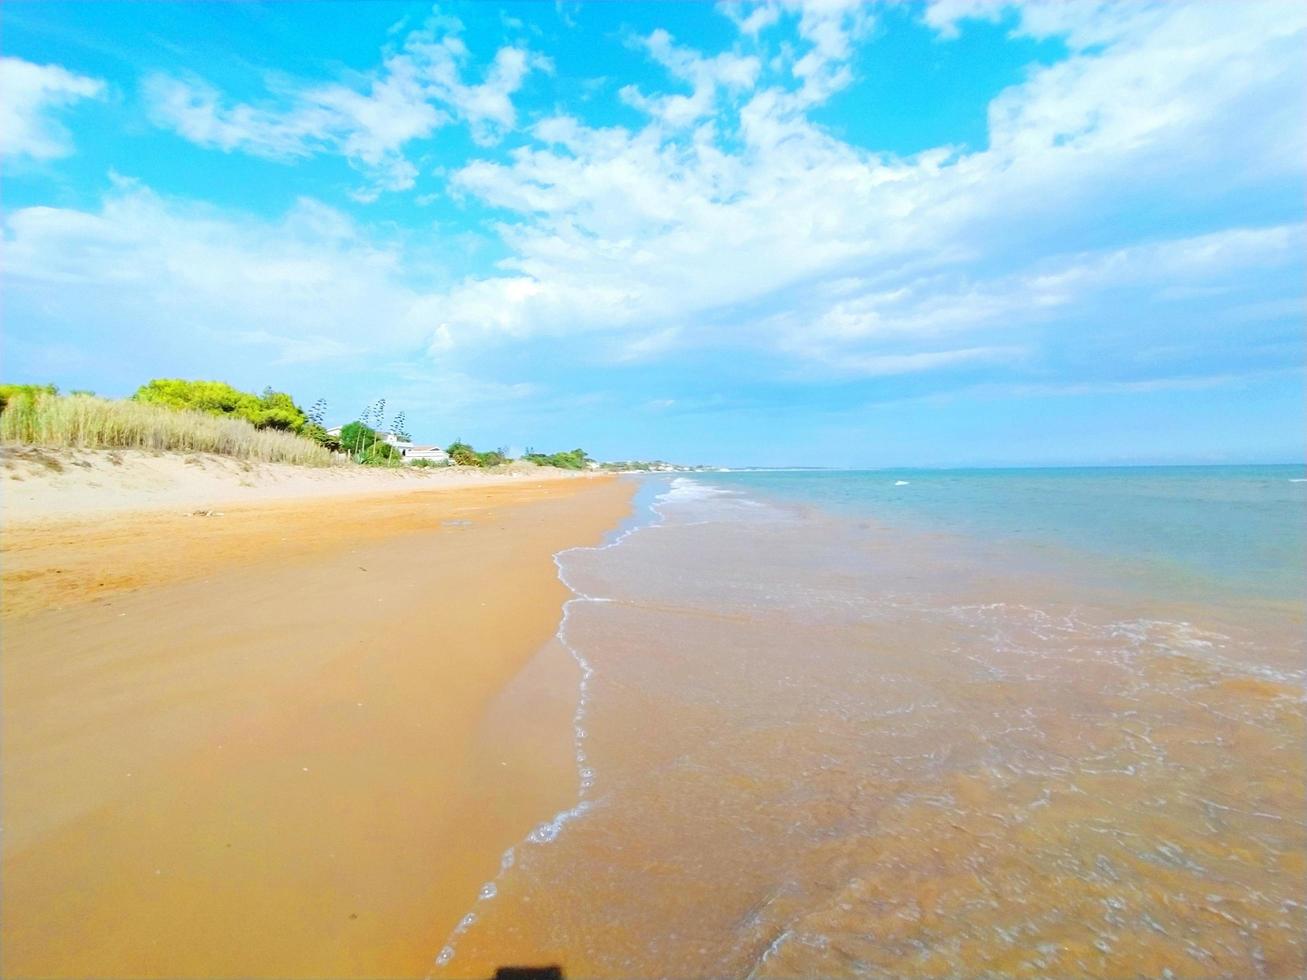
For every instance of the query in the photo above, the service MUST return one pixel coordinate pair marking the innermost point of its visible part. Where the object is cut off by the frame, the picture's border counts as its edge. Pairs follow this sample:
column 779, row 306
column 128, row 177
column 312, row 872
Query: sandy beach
column 742, row 490
column 286, row 737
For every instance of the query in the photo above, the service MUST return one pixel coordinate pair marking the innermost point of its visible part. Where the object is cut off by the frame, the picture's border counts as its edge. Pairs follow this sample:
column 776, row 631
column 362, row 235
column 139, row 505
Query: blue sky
column 960, row 232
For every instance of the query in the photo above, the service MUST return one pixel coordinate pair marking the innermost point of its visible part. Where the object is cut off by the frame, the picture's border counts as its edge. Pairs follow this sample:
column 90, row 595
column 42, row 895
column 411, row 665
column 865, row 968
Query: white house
column 434, row 453
column 409, row 451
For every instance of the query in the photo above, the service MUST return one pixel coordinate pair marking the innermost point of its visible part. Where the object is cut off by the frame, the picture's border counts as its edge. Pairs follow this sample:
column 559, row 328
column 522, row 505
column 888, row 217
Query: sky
column 947, row 233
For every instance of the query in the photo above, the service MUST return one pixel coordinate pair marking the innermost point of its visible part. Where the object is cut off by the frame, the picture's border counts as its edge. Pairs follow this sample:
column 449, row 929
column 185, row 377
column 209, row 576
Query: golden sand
column 255, row 743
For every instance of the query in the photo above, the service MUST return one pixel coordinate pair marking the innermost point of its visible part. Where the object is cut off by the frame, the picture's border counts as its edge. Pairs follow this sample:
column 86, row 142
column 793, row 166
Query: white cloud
column 752, row 20
column 947, row 302
column 828, row 30
column 31, row 94
column 195, row 110
column 369, row 120
column 731, row 219
column 880, row 365
column 309, row 286
column 644, row 234
column 707, row 77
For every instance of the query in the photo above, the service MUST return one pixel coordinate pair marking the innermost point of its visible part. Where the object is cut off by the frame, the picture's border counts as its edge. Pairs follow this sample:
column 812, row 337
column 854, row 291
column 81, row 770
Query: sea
column 1043, row 722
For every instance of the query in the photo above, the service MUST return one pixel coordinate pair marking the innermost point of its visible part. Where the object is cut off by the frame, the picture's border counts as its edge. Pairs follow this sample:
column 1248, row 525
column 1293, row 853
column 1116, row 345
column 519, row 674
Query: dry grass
column 87, row 422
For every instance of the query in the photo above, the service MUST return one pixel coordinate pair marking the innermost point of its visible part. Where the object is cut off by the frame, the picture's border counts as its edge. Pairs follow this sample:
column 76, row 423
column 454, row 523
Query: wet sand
column 829, row 748
column 282, row 741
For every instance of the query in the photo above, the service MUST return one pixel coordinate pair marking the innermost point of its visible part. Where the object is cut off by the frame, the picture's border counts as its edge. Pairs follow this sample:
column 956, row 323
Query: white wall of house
column 433, row 453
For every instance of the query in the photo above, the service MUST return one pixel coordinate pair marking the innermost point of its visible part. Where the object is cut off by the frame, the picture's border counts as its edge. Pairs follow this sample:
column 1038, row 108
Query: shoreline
column 819, row 741
column 225, row 759
column 536, row 688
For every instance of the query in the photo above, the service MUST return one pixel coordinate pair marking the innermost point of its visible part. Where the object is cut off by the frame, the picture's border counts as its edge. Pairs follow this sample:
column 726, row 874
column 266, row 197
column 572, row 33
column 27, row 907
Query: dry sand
column 290, row 739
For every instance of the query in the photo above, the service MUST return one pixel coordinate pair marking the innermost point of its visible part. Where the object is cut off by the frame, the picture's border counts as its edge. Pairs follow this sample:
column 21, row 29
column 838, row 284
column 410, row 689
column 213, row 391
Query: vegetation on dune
column 575, row 459
column 10, row 391
column 271, row 410
column 212, row 416
column 42, row 418
column 462, row 454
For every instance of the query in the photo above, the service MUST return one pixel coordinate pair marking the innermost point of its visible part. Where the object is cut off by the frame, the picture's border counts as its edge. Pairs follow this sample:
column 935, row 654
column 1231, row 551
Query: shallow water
column 813, row 743
column 1210, row 531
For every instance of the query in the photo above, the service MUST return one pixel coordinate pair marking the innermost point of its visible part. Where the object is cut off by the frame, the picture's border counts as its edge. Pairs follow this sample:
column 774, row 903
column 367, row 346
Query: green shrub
column 427, row 464
column 320, row 435
column 381, row 454
column 355, row 437
column 461, row 454
column 271, row 410
column 573, row 460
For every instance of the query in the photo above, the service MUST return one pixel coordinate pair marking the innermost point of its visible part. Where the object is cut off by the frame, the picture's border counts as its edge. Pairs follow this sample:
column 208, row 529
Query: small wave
column 682, row 490
column 900, row 483
column 1297, row 479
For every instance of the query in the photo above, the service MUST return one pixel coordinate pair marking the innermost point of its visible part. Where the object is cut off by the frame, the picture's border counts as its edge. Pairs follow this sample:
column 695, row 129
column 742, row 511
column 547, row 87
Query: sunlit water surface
column 823, row 735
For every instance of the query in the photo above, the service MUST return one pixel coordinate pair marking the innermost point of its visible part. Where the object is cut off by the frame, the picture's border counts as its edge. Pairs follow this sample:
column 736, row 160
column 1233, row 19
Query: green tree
column 356, row 437
column 277, row 410
column 215, row 397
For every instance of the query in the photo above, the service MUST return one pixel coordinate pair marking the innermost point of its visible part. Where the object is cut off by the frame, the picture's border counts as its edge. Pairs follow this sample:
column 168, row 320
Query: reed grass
column 89, row 422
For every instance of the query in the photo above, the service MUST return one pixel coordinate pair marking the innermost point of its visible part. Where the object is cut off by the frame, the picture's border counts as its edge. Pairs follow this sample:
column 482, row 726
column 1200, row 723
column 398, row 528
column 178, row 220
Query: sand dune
column 49, row 483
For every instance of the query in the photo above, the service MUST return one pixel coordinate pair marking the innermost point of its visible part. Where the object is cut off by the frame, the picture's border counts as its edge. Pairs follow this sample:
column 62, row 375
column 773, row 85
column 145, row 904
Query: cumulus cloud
column 739, row 233
column 32, row 95
column 369, row 120
column 731, row 219
column 305, row 286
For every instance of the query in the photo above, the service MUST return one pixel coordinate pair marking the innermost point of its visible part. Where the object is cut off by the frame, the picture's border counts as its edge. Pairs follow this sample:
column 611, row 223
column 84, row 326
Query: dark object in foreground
column 529, row 973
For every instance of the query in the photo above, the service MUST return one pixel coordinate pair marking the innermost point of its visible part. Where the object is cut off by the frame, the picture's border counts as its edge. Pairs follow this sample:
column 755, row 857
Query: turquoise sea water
column 1192, row 530
column 924, row 723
